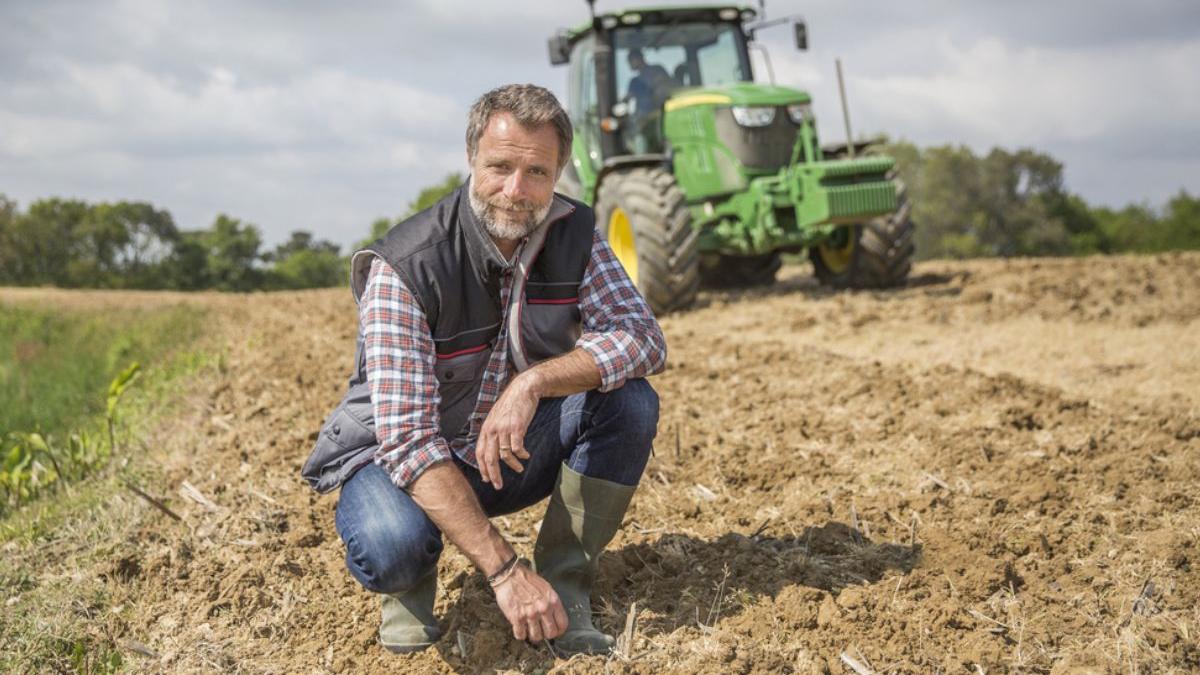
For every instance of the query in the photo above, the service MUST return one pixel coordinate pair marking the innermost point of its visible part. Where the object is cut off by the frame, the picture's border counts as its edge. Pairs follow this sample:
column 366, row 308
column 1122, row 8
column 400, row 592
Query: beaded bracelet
column 506, row 571
column 503, row 571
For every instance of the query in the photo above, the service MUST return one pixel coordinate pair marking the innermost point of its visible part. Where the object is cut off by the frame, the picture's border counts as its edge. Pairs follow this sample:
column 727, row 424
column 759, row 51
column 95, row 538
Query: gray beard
column 509, row 231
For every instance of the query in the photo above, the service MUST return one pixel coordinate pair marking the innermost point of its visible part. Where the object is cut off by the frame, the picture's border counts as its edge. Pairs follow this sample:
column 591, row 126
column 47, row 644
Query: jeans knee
column 392, row 558
column 638, row 412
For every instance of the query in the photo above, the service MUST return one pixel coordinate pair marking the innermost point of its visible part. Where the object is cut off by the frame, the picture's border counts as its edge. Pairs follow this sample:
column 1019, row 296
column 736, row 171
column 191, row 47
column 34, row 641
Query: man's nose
column 515, row 186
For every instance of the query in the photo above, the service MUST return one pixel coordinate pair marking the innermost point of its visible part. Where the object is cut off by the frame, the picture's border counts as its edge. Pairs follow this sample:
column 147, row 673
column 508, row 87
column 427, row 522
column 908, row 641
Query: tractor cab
column 629, row 68
column 654, row 62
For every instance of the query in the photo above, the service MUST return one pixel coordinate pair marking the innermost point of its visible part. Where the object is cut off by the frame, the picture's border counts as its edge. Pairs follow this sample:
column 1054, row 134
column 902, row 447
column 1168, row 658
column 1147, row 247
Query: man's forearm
column 446, row 497
column 564, row 375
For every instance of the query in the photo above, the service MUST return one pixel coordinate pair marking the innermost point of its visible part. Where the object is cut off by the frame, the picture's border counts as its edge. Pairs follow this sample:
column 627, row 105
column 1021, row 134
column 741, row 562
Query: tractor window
column 582, row 98
column 721, row 61
column 657, row 67
column 581, row 103
column 652, row 61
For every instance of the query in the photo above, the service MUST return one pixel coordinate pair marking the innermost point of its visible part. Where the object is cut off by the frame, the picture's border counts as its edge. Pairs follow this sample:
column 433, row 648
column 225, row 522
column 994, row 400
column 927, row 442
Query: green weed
column 62, row 378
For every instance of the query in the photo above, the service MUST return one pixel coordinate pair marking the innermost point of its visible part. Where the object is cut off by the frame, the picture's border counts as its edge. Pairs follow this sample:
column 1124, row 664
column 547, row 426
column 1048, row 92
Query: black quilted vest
column 447, row 260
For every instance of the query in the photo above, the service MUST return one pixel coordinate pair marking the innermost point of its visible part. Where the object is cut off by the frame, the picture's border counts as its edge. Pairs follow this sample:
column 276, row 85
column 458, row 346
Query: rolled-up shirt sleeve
column 399, row 365
column 619, row 330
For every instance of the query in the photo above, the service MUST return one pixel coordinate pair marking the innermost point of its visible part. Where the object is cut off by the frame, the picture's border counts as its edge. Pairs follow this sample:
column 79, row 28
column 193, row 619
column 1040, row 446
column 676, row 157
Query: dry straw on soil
column 995, row 469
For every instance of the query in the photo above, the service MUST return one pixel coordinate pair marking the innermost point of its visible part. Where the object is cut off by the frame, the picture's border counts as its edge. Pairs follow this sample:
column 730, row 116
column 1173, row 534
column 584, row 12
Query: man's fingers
column 481, row 457
column 517, row 438
column 489, row 460
column 519, row 629
column 534, row 631
column 549, row 626
column 494, row 470
column 486, row 455
column 509, row 454
column 512, row 462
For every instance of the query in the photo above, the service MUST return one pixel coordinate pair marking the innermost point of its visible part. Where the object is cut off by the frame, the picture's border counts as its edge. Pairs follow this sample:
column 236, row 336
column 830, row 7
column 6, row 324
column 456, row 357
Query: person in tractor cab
column 505, row 351
column 647, row 90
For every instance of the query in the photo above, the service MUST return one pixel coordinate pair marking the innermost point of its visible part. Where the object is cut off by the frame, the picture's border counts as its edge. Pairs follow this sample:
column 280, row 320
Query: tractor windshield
column 654, row 60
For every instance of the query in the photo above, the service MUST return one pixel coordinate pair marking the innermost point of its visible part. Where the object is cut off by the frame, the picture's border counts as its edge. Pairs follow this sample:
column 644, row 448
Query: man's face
column 513, row 175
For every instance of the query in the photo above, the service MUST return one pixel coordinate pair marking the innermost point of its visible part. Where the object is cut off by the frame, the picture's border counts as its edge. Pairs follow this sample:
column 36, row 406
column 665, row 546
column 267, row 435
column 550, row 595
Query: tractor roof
column 652, row 15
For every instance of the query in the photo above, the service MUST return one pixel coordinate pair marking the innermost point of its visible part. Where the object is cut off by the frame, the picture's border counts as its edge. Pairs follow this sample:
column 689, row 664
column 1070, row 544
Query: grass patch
column 55, row 367
column 75, row 411
column 62, row 378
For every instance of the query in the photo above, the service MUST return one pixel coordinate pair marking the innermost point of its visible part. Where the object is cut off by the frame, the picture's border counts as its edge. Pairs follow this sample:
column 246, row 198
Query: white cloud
column 1120, row 114
column 326, row 150
column 123, row 106
column 993, row 93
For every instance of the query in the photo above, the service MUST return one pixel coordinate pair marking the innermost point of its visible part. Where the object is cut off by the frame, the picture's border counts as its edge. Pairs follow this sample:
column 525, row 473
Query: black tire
column 728, row 271
column 881, row 254
column 668, row 267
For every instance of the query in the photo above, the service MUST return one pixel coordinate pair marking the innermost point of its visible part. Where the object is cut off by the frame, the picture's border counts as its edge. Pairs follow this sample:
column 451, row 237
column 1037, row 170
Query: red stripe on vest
column 547, row 301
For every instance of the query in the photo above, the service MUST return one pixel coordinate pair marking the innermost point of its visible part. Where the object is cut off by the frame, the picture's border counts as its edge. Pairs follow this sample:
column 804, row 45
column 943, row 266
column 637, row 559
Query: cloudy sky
column 299, row 114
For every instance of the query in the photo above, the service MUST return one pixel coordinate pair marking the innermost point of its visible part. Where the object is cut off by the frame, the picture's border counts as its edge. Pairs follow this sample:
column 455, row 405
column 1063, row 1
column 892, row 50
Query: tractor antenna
column 592, row 9
column 762, row 10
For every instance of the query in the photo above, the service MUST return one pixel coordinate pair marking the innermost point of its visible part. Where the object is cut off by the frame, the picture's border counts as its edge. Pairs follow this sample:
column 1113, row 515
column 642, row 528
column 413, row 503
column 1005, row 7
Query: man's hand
column 531, row 606
column 508, row 420
column 502, row 436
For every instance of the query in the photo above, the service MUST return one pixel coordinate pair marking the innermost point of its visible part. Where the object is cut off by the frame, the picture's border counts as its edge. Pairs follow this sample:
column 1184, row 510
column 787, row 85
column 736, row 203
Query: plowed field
column 994, row 469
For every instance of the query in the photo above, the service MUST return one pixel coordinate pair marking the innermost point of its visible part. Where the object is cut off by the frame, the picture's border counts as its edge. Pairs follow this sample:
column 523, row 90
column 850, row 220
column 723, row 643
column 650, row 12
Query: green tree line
column 1014, row 203
column 1003, row 203
column 74, row 244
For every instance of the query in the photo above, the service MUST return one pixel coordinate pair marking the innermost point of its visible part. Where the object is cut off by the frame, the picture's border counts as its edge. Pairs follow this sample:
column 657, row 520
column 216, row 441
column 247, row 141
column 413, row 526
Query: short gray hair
column 531, row 105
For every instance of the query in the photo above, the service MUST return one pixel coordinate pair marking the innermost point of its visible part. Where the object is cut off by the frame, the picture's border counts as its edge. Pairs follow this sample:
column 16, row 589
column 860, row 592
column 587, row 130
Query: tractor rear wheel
column 642, row 214
column 729, row 271
column 875, row 254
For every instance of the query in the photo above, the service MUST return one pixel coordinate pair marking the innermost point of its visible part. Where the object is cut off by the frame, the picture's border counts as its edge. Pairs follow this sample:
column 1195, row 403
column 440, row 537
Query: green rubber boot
column 583, row 516
column 408, row 622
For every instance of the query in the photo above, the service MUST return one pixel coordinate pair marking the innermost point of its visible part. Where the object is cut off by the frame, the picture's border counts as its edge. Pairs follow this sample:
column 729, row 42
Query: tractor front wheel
column 875, row 254
column 642, row 214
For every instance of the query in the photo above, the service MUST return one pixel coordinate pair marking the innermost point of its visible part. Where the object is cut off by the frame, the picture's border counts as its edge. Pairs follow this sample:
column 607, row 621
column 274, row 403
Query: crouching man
column 504, row 350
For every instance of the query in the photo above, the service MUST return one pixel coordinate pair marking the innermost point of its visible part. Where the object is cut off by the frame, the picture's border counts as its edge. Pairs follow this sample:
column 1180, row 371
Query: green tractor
column 697, row 172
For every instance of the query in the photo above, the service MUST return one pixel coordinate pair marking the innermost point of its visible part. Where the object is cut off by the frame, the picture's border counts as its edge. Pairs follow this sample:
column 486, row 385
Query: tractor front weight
column 797, row 207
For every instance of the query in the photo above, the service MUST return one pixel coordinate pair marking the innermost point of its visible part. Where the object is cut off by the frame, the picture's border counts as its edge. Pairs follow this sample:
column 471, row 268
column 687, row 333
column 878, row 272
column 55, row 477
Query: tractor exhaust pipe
column 845, row 109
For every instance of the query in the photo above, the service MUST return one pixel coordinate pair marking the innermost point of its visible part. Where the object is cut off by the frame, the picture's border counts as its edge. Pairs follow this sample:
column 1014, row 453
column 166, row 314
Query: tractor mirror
column 801, row 35
column 560, row 50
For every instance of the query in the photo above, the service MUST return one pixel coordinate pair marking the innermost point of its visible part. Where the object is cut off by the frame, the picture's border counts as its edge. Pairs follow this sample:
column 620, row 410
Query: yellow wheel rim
column 837, row 258
column 620, row 238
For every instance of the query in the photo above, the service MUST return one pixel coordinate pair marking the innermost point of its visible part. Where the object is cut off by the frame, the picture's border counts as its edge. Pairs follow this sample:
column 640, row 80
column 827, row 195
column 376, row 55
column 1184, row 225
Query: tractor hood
column 738, row 94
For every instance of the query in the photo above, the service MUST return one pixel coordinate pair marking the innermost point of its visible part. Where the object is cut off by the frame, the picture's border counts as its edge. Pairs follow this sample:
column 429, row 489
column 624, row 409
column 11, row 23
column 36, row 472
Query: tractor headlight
column 799, row 112
column 753, row 116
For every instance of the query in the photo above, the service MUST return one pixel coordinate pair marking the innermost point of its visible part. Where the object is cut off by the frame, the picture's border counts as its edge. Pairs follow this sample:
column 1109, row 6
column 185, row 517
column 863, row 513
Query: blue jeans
column 391, row 544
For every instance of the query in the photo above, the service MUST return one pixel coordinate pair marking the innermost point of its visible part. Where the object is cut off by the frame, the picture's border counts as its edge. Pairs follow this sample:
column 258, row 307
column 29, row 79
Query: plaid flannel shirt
column 619, row 332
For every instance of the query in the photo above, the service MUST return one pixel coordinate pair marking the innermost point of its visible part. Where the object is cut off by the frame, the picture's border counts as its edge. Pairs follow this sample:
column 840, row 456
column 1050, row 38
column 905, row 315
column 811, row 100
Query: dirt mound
column 995, row 468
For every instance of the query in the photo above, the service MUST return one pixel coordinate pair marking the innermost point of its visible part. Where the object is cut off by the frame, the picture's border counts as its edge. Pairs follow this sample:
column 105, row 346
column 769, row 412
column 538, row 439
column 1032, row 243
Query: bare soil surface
column 994, row 469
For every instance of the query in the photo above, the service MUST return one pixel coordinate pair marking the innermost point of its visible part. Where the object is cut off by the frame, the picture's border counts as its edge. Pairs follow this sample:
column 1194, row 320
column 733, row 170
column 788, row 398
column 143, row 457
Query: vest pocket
column 346, row 442
column 549, row 329
column 459, row 379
